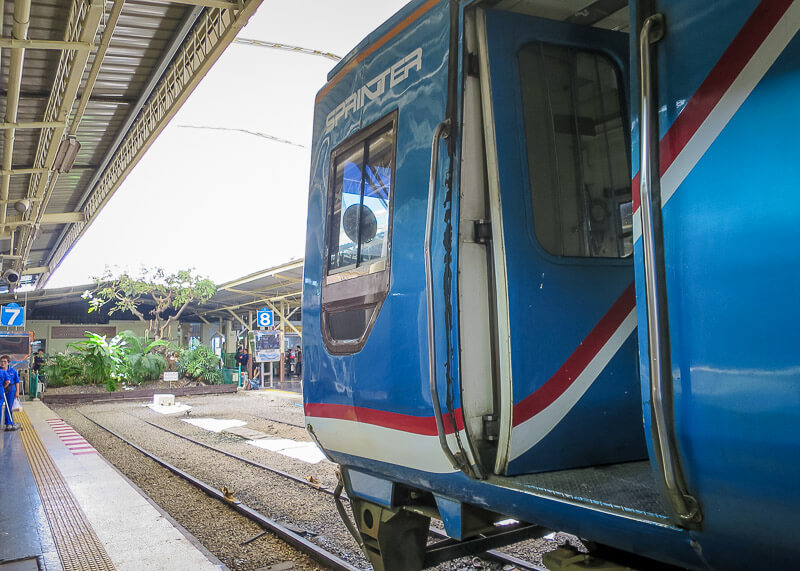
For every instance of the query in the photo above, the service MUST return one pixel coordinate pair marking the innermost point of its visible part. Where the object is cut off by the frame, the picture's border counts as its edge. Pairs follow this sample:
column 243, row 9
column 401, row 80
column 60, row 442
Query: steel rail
column 292, row 477
column 293, row 539
column 490, row 554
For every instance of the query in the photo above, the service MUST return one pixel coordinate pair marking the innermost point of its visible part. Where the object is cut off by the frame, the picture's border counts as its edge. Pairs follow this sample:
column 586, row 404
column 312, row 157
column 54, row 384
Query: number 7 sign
column 12, row 315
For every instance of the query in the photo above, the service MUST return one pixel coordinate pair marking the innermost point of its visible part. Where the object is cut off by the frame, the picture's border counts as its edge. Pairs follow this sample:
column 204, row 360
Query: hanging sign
column 12, row 315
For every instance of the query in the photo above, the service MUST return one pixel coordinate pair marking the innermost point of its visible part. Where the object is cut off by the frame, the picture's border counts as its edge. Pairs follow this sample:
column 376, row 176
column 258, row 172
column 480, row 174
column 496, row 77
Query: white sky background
column 229, row 203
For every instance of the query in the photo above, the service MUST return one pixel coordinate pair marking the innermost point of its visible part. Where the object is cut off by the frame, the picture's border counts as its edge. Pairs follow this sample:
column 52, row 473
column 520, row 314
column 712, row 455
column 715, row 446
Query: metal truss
column 214, row 30
column 82, row 26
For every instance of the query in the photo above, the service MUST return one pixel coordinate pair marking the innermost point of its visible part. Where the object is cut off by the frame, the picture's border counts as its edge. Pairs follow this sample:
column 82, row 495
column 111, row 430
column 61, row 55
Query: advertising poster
column 18, row 347
column 268, row 346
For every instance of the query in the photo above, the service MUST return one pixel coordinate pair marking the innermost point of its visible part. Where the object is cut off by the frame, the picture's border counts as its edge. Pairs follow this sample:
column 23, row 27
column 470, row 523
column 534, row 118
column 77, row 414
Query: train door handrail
column 441, row 132
column 682, row 503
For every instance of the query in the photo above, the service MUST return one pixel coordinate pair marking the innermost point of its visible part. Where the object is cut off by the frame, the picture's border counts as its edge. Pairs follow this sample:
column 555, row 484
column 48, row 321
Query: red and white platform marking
column 71, row 439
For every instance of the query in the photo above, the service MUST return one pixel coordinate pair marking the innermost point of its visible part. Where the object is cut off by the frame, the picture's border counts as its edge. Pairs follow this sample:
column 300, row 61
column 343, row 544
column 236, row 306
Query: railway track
column 294, row 539
column 494, row 555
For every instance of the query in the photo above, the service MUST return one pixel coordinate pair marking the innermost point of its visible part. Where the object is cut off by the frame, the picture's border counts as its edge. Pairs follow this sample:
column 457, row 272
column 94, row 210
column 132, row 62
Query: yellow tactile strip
column 78, row 546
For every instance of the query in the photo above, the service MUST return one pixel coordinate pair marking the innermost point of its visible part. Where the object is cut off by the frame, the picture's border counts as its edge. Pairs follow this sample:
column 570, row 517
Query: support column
column 283, row 340
column 231, row 338
column 252, row 353
column 205, row 335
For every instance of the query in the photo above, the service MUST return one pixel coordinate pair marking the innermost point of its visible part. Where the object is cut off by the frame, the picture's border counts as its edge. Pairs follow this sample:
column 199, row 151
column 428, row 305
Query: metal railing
column 682, row 503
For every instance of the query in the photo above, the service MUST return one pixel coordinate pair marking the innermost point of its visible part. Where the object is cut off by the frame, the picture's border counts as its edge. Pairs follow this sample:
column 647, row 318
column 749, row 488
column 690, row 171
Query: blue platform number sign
column 265, row 317
column 12, row 314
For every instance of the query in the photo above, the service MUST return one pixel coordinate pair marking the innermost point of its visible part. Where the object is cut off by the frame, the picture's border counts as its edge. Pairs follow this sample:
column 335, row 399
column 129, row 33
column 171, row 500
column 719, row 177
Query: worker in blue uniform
column 10, row 380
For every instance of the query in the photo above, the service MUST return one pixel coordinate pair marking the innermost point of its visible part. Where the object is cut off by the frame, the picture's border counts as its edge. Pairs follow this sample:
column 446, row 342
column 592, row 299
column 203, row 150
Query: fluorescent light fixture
column 66, row 154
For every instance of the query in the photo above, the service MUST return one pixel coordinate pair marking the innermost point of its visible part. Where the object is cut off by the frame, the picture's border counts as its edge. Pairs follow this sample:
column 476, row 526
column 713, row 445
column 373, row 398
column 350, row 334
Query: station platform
column 292, row 386
column 64, row 507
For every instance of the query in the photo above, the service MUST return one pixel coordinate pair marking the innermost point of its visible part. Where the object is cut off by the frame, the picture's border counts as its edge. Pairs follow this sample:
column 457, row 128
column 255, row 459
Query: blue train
column 547, row 280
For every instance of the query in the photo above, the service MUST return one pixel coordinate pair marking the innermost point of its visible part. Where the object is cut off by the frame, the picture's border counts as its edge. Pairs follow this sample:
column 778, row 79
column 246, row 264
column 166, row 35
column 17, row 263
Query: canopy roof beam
column 82, row 26
column 221, row 4
column 32, row 125
column 293, row 265
column 239, row 319
column 211, row 34
column 22, row 16
column 247, row 304
column 54, row 218
column 14, row 43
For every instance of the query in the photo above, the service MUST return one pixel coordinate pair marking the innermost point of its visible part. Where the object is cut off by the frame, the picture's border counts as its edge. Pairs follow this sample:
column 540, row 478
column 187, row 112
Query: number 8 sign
column 264, row 317
column 12, row 315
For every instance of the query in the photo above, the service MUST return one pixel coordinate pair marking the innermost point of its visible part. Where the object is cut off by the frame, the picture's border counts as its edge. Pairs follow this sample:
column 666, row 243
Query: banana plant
column 102, row 359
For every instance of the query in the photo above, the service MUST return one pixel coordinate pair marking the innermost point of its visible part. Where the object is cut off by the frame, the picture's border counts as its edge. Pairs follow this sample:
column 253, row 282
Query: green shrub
column 63, row 369
column 141, row 361
column 139, row 368
column 200, row 364
column 101, row 359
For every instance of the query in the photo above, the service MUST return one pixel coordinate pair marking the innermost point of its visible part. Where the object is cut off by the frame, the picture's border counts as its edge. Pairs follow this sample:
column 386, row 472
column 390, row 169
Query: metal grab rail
column 683, row 504
column 441, row 132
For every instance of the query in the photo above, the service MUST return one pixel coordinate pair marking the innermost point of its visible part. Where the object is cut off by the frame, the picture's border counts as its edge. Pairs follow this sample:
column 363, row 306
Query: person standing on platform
column 245, row 361
column 38, row 361
column 10, row 380
column 298, row 367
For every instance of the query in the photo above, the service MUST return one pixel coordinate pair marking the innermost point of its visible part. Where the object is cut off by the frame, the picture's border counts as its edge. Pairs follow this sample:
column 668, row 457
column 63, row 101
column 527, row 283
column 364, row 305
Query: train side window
column 577, row 150
column 362, row 185
column 358, row 235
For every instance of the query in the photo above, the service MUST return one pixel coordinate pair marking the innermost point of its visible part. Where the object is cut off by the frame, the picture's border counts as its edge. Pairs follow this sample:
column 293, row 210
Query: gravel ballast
column 301, row 508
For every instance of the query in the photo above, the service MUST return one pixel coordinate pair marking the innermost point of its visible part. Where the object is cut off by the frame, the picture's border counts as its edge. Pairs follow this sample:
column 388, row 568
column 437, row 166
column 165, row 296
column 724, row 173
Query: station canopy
column 87, row 86
column 277, row 288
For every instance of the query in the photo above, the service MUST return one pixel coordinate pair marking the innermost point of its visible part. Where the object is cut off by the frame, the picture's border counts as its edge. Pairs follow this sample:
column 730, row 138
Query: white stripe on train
column 528, row 434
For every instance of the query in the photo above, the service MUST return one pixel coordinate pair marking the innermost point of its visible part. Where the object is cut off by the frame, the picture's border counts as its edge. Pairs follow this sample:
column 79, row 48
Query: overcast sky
column 223, row 202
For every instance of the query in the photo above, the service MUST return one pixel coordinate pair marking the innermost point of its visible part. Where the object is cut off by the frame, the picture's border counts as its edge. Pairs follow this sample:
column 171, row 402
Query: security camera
column 10, row 277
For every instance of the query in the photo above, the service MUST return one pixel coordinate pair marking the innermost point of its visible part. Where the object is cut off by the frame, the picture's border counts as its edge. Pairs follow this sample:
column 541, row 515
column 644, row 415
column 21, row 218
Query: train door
column 557, row 143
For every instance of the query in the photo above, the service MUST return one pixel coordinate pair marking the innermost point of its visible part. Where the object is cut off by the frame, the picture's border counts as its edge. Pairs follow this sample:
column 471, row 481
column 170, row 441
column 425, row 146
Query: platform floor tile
column 133, row 531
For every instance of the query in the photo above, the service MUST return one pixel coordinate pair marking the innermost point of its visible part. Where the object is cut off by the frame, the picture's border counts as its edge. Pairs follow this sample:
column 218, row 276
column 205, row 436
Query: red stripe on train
column 555, row 386
column 423, row 425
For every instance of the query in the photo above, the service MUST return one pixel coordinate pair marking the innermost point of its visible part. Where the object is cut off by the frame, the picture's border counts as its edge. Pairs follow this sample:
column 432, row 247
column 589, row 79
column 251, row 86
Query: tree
column 154, row 297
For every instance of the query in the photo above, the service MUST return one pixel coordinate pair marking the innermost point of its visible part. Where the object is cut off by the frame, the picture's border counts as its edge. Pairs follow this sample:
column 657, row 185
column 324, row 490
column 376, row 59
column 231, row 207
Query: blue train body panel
column 512, row 372
column 731, row 256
